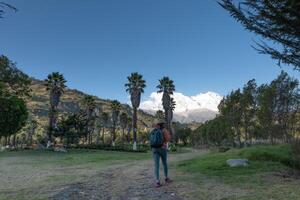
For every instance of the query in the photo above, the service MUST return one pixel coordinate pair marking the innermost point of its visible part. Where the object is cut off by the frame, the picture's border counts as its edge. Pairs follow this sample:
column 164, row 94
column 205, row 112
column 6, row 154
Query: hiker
column 159, row 138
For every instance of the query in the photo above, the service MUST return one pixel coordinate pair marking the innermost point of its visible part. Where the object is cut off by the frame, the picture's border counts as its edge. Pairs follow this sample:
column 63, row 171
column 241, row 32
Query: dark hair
column 161, row 125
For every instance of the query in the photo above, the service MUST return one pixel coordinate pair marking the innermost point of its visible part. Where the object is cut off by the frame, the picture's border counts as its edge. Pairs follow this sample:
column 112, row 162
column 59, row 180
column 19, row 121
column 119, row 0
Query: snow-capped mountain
column 199, row 108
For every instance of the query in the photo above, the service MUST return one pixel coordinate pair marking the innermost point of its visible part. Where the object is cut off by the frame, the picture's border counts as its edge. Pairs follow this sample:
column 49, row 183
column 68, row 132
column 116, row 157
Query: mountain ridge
column 198, row 108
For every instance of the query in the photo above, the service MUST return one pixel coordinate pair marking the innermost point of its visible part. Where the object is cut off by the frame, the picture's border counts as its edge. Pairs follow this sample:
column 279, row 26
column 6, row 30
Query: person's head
column 160, row 125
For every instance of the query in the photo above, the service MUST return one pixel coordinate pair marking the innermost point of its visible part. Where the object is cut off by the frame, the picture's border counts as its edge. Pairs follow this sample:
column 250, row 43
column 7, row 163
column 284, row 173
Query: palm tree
column 167, row 87
column 89, row 105
column 135, row 87
column 172, row 108
column 129, row 128
column 104, row 123
column 123, row 124
column 116, row 107
column 31, row 131
column 55, row 84
column 170, row 116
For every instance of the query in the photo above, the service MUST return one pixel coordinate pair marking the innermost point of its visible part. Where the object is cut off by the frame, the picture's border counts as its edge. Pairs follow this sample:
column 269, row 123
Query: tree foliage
column 13, row 80
column 268, row 112
column 275, row 21
column 14, row 88
column 4, row 7
column 13, row 115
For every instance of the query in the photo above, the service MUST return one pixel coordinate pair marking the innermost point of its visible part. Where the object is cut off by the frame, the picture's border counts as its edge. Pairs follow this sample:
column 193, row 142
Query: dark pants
column 157, row 154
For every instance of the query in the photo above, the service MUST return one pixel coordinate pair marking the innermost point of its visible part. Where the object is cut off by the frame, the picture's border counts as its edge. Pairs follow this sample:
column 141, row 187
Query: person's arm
column 167, row 135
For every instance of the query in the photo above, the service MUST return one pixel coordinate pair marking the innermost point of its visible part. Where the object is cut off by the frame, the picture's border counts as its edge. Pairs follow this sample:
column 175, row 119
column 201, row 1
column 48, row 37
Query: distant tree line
column 269, row 112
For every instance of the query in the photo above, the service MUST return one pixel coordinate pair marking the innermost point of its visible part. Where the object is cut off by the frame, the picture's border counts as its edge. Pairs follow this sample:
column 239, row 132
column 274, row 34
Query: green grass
column 74, row 157
column 262, row 159
column 256, row 181
column 273, row 153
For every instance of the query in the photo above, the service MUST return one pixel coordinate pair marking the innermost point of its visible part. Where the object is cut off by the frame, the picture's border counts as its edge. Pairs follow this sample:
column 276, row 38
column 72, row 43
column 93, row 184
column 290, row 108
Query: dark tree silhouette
column 4, row 7
column 275, row 21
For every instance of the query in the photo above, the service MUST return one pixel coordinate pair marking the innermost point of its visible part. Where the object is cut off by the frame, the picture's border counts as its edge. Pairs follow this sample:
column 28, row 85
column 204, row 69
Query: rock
column 60, row 149
column 237, row 162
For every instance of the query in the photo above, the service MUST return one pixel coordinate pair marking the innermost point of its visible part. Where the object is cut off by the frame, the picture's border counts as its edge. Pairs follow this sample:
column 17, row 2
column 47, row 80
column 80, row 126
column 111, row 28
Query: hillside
column 38, row 105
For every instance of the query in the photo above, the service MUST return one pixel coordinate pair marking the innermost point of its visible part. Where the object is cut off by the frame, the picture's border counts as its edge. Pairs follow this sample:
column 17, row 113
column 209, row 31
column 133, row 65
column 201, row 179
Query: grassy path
column 131, row 181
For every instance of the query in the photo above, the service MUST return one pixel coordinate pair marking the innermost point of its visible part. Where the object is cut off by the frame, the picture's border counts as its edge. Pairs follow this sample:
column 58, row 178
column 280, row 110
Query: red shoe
column 158, row 184
column 167, row 180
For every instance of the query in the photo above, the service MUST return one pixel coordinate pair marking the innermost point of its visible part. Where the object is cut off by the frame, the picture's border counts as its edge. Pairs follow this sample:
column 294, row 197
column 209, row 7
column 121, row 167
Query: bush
column 274, row 153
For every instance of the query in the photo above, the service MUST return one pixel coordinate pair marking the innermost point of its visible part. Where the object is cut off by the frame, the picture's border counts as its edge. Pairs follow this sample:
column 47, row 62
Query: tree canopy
column 277, row 22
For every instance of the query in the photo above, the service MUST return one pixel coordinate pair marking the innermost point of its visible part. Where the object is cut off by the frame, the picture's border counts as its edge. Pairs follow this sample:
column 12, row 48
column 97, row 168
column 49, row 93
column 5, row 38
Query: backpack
column 156, row 138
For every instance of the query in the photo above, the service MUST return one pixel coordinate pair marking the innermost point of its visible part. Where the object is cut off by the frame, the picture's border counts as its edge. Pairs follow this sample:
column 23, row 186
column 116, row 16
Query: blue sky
column 97, row 43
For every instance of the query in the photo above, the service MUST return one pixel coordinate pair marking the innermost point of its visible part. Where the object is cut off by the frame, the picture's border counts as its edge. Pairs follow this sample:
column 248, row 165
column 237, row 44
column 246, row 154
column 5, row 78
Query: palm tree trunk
column 51, row 124
column 134, row 125
column 112, row 138
column 128, row 135
column 103, row 132
column 123, row 135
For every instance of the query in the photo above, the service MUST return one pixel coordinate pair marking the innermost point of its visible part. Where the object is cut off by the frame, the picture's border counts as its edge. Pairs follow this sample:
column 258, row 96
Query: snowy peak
column 188, row 108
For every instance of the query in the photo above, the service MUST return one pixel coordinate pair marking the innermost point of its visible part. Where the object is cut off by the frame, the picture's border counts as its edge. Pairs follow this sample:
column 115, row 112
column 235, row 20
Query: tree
column 286, row 102
column 231, row 108
column 105, row 122
column 13, row 115
column 12, row 80
column 123, row 124
column 135, row 87
column 89, row 105
column 129, row 128
column 71, row 127
column 167, row 87
column 273, row 20
column 220, row 131
column 116, row 107
column 248, row 105
column 183, row 133
column 14, row 88
column 31, row 131
column 55, row 84
column 266, row 107
column 4, row 6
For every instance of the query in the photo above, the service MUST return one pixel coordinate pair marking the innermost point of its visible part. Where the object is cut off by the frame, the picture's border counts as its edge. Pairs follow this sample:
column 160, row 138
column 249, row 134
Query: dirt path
column 132, row 181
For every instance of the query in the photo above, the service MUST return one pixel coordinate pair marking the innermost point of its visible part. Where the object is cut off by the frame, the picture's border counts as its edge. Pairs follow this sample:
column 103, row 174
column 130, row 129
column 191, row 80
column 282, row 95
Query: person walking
column 159, row 137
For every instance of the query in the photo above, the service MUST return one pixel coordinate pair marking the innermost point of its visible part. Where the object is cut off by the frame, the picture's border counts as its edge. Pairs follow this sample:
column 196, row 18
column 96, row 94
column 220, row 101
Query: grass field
column 110, row 175
column 34, row 172
column 267, row 177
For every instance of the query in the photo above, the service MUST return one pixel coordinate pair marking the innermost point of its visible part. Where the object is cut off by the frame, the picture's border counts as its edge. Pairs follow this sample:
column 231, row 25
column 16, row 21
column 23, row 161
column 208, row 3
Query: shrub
column 278, row 153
